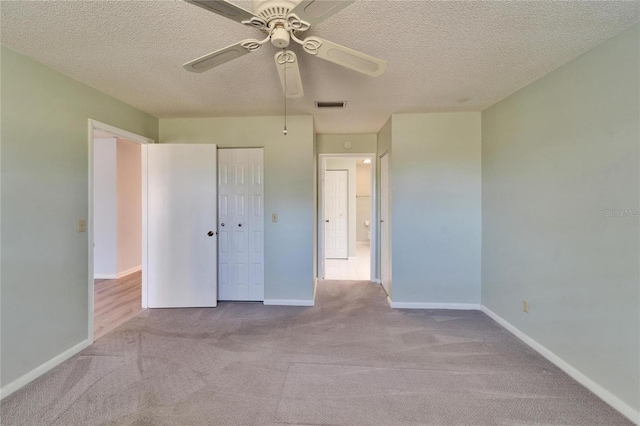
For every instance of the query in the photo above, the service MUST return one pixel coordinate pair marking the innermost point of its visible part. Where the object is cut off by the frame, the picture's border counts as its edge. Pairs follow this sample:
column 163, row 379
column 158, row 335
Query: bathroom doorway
column 346, row 218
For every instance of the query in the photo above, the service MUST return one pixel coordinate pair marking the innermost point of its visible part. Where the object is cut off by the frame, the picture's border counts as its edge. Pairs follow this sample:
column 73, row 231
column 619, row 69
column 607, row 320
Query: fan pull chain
column 285, row 92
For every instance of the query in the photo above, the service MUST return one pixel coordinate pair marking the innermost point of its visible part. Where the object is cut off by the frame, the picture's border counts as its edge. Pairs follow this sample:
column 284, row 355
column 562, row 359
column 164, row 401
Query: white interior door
column 336, row 215
column 182, row 196
column 385, row 241
column 241, row 224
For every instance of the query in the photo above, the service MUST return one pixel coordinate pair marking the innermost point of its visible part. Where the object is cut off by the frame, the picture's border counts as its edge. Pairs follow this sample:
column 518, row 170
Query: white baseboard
column 118, row 275
column 585, row 381
column 288, row 302
column 377, row 281
column 419, row 305
column 105, row 276
column 40, row 370
column 129, row 271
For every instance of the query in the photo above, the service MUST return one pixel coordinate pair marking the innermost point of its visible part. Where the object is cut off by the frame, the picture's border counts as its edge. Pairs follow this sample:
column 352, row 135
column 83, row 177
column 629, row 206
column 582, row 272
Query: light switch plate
column 82, row 225
column 525, row 306
column 274, row 217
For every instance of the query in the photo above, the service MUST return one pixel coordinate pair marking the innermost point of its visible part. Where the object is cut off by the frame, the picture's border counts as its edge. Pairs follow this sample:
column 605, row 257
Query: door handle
column 327, row 220
column 211, row 233
column 222, row 224
column 381, row 221
column 240, row 225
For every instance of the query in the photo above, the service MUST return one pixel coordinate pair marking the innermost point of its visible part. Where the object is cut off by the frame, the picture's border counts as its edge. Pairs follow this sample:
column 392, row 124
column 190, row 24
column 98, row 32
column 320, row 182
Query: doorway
column 116, row 226
column 346, row 212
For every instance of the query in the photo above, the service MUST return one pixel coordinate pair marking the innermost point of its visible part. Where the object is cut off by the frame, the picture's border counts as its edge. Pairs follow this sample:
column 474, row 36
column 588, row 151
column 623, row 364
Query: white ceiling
column 442, row 55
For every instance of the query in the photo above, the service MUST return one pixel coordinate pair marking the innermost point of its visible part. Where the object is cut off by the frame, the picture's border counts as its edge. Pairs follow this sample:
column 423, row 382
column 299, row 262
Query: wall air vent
column 334, row 104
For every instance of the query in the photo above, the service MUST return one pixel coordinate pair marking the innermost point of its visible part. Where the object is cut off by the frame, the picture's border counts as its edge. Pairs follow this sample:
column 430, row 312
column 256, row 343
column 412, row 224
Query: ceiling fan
column 283, row 21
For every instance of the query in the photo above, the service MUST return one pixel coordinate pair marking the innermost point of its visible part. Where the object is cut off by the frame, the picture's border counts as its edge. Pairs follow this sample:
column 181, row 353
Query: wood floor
column 116, row 301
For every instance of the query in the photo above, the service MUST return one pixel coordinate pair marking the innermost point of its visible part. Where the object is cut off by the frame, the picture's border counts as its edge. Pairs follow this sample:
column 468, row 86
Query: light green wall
column 348, row 164
column 44, row 142
column 383, row 138
column 288, row 171
column 334, row 144
column 556, row 157
column 436, row 206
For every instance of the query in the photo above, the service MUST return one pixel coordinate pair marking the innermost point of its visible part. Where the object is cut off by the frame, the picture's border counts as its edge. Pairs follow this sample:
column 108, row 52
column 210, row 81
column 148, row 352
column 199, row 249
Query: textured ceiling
column 443, row 56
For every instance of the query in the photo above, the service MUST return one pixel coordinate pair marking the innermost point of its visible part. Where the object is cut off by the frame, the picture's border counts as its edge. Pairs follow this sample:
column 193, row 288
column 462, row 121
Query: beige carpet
column 350, row 360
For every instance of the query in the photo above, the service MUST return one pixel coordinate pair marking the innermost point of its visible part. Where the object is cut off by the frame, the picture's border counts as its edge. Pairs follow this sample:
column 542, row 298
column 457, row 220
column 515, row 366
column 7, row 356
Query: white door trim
column 322, row 166
column 143, row 141
column 386, row 286
column 322, row 170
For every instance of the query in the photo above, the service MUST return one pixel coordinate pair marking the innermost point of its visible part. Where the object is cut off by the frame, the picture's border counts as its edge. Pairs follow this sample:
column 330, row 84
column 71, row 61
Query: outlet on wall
column 274, row 217
column 82, row 225
column 525, row 306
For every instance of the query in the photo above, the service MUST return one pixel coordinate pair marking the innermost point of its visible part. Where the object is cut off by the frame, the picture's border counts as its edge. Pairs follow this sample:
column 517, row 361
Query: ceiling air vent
column 334, row 104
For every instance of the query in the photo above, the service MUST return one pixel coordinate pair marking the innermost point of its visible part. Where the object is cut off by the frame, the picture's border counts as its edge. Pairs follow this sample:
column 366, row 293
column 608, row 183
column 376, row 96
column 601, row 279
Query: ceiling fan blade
column 316, row 11
column 219, row 57
column 287, row 63
column 231, row 11
column 344, row 56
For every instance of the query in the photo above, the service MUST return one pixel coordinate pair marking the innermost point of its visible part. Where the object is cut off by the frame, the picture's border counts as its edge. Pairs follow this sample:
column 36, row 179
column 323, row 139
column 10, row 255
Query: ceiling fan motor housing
column 273, row 9
column 280, row 37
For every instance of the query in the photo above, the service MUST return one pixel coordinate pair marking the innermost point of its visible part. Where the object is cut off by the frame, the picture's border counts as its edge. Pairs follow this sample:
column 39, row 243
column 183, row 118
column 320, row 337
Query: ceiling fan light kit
column 284, row 21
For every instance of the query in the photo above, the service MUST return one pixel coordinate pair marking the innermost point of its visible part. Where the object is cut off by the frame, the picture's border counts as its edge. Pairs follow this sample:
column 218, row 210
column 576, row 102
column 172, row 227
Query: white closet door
column 241, row 224
column 182, row 195
column 385, row 240
column 336, row 214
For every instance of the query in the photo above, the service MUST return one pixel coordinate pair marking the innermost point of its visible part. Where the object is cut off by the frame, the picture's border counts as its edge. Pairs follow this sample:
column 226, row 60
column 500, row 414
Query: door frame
column 143, row 141
column 379, row 223
column 322, row 167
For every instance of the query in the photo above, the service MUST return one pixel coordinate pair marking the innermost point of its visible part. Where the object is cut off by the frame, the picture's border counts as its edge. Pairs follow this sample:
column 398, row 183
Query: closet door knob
column 240, row 225
column 211, row 233
column 222, row 224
